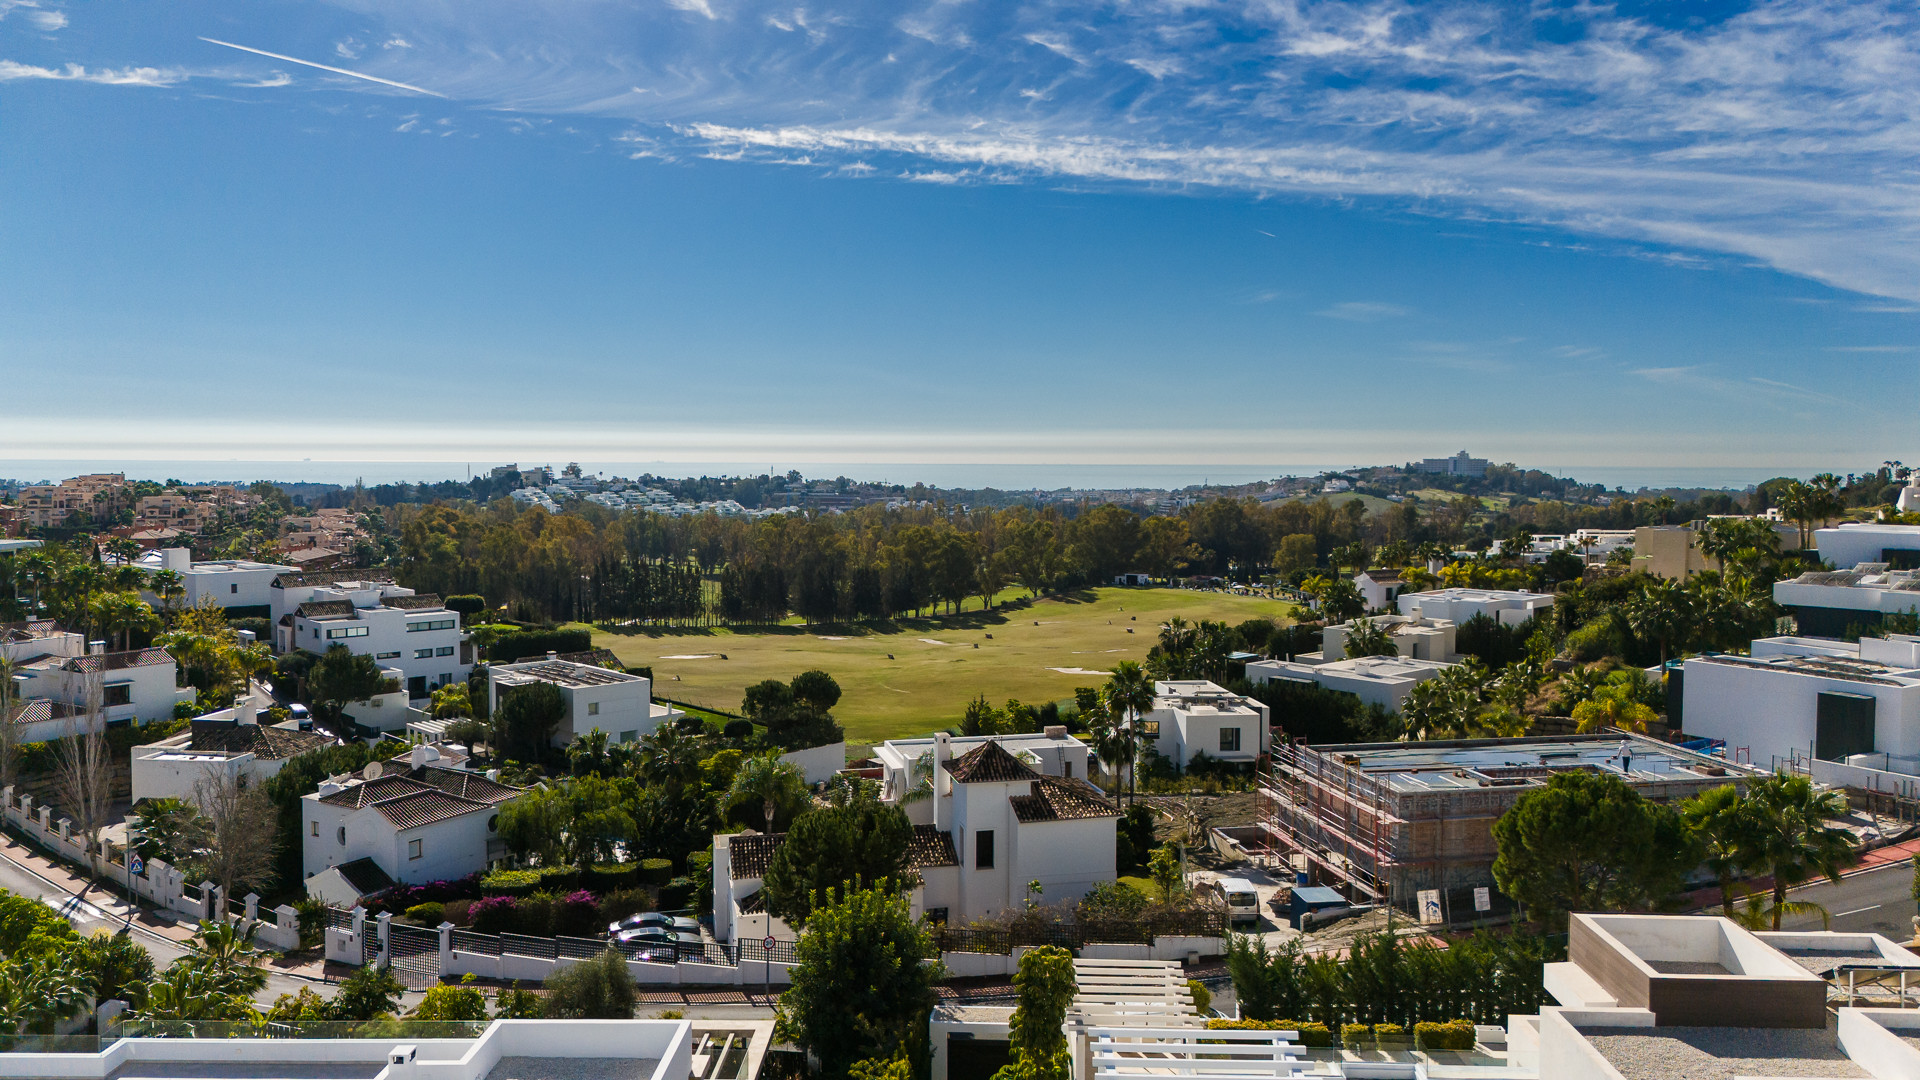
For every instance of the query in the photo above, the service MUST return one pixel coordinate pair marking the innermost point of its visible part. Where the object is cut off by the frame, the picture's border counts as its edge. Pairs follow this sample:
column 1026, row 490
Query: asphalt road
column 1876, row 901
column 98, row 909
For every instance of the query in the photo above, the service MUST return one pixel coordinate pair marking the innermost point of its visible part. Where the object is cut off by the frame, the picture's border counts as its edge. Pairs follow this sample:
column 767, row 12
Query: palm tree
column 38, row 991
column 166, row 585
column 1722, row 822
column 1661, row 610
column 1130, row 695
column 125, row 613
column 1606, row 711
column 1757, row 914
column 227, row 955
column 188, row 994
column 1112, row 743
column 1791, row 838
column 775, row 784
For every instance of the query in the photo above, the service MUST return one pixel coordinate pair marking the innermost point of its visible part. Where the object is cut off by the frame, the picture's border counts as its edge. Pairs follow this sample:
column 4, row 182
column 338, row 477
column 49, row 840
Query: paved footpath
column 92, row 906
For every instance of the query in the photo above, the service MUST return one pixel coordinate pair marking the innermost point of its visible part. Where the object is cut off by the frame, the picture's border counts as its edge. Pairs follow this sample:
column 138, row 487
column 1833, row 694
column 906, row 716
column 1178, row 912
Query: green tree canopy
column 1588, row 842
column 528, row 718
column 862, row 988
column 858, row 844
column 339, row 677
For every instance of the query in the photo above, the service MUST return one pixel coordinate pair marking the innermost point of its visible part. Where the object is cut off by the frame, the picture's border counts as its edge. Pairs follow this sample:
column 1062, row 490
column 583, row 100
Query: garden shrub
column 621, row 903
column 510, row 883
column 607, row 877
column 1390, row 1036
column 1452, row 1035
column 1311, row 1032
column 577, row 914
column 655, row 872
column 458, row 912
column 676, row 894
column 431, row 913
column 597, row 989
column 738, row 729
column 495, row 915
column 1356, row 1036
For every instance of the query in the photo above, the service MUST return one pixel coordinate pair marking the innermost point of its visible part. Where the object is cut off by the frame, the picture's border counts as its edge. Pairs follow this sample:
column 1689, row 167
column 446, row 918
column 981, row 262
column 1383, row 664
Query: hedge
column 608, row 877
column 1452, row 1035
column 528, row 882
column 1355, row 1036
column 1390, row 1036
column 427, row 914
column 656, row 872
column 510, row 647
column 676, row 894
column 1311, row 1034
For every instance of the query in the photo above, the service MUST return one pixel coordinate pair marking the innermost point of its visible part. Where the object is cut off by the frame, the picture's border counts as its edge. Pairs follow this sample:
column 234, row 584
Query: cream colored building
column 1673, row 551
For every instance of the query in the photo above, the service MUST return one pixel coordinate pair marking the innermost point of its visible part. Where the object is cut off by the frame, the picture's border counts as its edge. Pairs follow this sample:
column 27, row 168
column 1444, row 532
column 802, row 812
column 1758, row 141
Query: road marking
column 1858, row 910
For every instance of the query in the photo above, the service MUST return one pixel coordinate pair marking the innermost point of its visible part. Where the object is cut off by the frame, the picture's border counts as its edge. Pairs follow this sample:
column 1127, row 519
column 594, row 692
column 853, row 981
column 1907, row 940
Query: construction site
column 1411, row 824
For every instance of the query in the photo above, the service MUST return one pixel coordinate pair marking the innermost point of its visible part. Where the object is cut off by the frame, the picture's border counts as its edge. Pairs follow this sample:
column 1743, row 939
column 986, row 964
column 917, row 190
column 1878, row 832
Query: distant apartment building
column 1386, row 820
column 1509, row 606
column 96, row 497
column 1673, row 551
column 1379, row 586
column 1898, row 546
column 1830, row 603
column 1460, row 464
column 226, row 583
column 413, row 633
column 1376, row 680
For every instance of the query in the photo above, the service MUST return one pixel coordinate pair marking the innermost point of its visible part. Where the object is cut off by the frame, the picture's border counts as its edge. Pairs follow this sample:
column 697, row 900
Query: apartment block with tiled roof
column 418, row 822
column 136, row 685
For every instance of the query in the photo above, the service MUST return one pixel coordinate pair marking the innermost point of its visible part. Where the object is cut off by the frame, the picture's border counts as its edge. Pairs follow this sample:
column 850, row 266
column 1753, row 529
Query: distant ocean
column 1006, row 477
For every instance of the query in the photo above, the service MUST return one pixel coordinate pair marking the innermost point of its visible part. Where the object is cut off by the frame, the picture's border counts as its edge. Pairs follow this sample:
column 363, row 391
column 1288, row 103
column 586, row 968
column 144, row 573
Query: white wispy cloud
column 131, row 76
column 47, row 21
column 1364, row 311
column 1781, row 133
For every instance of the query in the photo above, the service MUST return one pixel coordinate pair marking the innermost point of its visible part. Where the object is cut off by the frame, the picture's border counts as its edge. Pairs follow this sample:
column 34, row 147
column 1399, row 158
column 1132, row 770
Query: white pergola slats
column 1134, row 1020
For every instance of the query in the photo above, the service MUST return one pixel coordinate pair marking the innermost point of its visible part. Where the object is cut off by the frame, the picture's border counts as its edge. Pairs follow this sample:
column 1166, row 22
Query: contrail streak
column 324, row 67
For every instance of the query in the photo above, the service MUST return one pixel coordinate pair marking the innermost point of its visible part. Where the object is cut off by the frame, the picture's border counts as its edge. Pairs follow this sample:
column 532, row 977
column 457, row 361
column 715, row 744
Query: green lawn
column 935, row 668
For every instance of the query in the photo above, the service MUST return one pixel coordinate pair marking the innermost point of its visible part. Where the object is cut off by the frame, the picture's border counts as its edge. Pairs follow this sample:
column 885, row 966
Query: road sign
column 767, row 942
column 1430, row 912
column 1482, row 899
column 136, row 865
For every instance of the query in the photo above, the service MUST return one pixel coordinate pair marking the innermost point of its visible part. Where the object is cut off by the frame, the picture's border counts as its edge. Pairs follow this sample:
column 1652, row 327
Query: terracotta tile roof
column 118, row 661
column 426, row 807
column 365, row 876
column 753, row 903
column 324, row 609
column 931, row 847
column 372, row 791
column 262, row 740
column 331, row 577
column 1058, row 799
column 462, row 783
column 989, row 763
column 752, row 852
column 418, row 602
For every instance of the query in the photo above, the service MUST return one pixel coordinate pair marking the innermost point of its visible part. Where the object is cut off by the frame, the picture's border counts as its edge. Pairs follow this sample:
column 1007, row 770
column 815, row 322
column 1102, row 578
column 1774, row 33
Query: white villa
column 615, row 702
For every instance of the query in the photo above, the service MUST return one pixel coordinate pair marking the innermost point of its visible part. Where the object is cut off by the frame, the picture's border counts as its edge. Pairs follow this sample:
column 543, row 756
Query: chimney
column 331, row 785
column 245, row 711
column 176, row 559
column 942, row 782
column 551, row 655
column 1055, row 731
column 423, row 755
column 96, row 648
column 493, row 775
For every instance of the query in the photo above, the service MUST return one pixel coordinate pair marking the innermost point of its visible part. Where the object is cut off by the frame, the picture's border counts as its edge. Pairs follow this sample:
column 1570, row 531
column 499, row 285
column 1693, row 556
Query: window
column 343, row 835
column 316, row 631
column 432, row 624
column 348, row 631
column 386, row 656
column 937, row 915
column 315, row 826
column 233, row 589
column 444, row 650
column 983, row 850
column 629, row 736
column 1067, row 766
column 1229, row 740
column 593, row 708
column 413, row 849
column 423, row 654
column 116, row 694
column 1150, row 729
column 493, row 823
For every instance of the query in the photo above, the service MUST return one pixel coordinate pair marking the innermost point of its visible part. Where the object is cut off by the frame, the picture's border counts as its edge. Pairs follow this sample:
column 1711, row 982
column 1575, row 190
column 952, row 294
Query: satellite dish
column 372, row 771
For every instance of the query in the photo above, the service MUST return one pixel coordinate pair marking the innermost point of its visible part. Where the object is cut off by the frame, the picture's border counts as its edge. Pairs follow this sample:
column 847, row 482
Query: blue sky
column 1174, row 232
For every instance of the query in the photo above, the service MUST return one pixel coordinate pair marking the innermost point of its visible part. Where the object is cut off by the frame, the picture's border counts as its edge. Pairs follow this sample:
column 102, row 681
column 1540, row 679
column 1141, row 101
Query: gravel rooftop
column 556, row 1068
column 1693, row 1053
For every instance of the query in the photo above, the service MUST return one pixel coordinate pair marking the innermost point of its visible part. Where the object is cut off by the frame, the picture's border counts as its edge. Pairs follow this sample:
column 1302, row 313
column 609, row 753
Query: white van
column 1243, row 903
